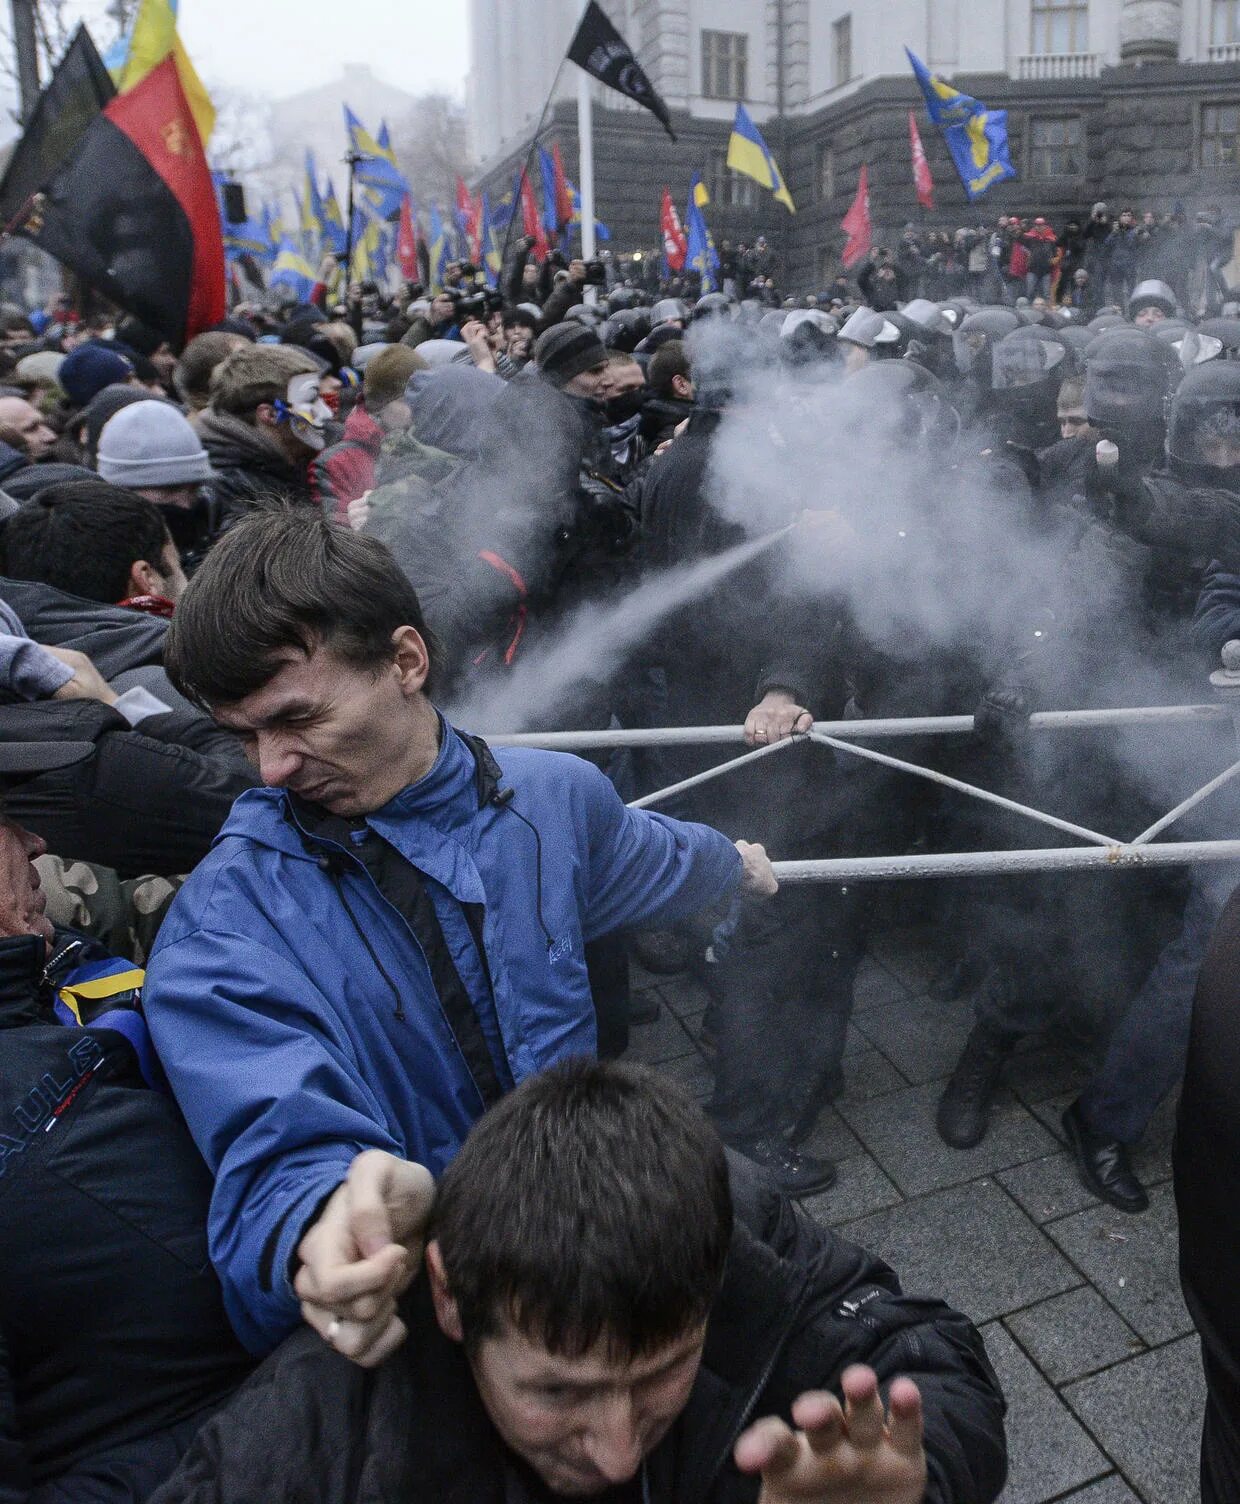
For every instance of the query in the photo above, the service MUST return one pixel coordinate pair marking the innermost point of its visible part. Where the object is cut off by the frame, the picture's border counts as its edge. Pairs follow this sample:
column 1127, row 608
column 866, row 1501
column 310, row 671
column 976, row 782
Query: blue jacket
column 293, row 1008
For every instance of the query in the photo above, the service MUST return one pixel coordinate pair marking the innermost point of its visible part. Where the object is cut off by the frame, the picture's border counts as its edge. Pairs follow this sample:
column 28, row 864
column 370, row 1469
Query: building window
column 724, row 58
column 731, row 190
column 824, row 173
column 1220, row 135
column 1055, row 147
column 841, row 42
column 1060, row 26
column 1224, row 23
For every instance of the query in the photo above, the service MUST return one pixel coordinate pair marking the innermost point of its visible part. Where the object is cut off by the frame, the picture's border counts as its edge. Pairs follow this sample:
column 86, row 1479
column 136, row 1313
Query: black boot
column 964, row 1107
column 797, row 1174
column 1103, row 1165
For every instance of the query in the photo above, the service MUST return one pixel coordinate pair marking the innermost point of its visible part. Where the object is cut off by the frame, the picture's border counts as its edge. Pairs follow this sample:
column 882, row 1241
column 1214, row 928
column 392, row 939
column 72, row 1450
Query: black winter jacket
column 145, row 801
column 249, row 466
column 114, row 638
column 113, row 1337
column 797, row 1306
column 1207, row 1167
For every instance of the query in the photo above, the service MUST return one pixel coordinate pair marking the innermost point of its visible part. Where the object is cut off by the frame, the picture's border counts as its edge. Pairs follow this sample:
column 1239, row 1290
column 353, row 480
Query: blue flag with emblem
column 700, row 252
column 378, row 183
column 976, row 137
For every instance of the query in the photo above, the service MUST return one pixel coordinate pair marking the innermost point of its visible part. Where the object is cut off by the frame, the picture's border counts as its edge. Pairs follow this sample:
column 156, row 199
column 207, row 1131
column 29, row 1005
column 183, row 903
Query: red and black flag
column 132, row 209
column 600, row 49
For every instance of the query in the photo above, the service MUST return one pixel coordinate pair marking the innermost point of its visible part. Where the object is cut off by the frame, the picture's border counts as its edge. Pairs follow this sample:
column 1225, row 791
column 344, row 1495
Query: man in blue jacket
column 385, row 938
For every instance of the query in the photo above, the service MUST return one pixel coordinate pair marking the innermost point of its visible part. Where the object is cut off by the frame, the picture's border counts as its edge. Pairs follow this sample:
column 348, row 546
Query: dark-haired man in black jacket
column 610, row 1310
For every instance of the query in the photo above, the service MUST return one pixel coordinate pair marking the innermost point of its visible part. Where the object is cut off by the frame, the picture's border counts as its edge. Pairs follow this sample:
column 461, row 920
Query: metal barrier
column 1101, row 853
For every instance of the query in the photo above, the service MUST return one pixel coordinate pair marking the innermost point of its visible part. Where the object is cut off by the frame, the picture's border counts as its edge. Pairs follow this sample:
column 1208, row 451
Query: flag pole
column 525, row 166
column 585, row 159
column 352, row 158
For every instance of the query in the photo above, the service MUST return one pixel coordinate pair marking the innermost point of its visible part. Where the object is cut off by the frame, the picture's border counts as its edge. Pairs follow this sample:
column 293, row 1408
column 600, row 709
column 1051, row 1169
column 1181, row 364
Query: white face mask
column 307, row 412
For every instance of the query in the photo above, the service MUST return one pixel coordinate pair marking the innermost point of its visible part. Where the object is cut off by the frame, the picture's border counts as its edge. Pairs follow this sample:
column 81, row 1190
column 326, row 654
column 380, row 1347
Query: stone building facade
column 1132, row 101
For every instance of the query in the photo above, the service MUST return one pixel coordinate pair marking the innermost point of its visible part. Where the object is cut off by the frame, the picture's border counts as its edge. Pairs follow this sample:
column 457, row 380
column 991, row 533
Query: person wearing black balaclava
column 151, row 448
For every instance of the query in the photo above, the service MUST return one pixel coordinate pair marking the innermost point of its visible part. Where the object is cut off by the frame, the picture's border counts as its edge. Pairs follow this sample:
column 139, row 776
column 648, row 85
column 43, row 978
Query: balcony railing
column 1225, row 52
column 1058, row 65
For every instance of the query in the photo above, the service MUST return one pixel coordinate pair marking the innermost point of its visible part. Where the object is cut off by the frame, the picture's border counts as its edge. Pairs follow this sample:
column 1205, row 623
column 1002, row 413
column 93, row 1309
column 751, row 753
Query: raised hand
column 851, row 1454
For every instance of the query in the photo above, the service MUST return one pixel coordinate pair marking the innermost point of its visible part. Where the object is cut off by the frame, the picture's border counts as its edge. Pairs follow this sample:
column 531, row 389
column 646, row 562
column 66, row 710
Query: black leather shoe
column 1102, row 1164
column 964, row 1107
column 797, row 1174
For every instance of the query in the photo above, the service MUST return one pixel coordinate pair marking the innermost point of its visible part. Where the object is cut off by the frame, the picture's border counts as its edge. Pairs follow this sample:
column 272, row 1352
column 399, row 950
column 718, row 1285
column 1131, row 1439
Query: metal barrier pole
column 981, row 863
column 965, row 788
column 867, row 730
column 707, row 774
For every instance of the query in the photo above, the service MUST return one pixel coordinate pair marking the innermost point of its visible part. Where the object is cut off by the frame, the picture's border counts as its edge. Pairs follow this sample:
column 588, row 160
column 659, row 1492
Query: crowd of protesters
column 258, row 598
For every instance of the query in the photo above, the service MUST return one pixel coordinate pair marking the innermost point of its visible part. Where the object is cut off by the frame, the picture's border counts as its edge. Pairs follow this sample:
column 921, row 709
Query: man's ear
column 144, row 579
column 265, row 416
column 446, row 1313
column 413, row 661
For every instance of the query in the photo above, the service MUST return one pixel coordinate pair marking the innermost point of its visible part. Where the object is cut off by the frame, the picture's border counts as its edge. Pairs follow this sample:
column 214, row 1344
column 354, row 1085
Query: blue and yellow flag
column 333, row 221
column 291, row 272
column 748, row 153
column 311, row 212
column 439, row 249
column 976, row 137
column 378, row 182
column 249, row 238
column 491, row 253
column 601, row 231
column 700, row 252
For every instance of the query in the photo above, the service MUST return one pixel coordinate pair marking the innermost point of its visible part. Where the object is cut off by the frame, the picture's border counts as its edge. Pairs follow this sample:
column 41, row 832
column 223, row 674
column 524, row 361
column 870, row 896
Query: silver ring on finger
column 333, row 1328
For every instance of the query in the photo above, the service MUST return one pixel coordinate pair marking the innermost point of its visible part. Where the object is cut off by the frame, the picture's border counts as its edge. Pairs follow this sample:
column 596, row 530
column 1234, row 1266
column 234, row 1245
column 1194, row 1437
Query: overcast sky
column 280, row 47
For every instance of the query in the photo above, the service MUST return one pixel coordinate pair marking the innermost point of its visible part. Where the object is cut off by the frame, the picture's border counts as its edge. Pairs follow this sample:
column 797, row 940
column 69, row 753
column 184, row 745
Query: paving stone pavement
column 1079, row 1305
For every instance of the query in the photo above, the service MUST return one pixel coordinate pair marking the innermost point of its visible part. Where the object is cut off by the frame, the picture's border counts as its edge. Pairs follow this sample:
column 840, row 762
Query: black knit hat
column 565, row 350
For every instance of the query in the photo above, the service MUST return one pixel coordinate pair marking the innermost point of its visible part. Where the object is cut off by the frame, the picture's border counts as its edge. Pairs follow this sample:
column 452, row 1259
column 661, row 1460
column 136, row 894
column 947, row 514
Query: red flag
column 531, row 219
column 407, row 242
column 467, row 211
column 856, row 223
column 922, row 180
column 563, row 198
column 675, row 244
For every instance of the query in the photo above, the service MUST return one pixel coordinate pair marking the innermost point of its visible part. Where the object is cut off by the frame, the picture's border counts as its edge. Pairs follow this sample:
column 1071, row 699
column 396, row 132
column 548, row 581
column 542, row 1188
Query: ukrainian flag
column 292, row 272
column 976, row 137
column 491, row 256
column 333, row 221
column 601, row 231
column 439, row 256
column 153, row 37
column 748, row 153
column 377, row 175
column 311, row 212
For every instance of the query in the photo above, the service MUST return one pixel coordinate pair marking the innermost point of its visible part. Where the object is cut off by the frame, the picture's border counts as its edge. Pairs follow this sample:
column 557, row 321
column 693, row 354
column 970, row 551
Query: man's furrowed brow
column 289, row 710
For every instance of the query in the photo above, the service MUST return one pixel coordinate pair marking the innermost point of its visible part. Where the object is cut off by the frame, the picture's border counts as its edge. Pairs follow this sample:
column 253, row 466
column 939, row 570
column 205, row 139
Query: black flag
column 80, row 88
column 600, row 49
